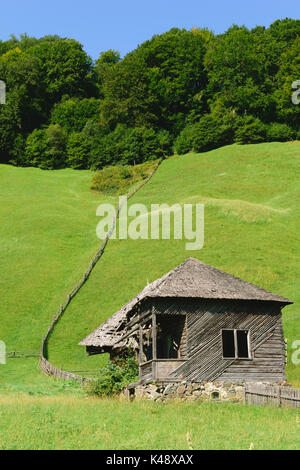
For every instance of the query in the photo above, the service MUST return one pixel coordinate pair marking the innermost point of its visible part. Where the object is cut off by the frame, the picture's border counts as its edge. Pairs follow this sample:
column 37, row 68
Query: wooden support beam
column 154, row 337
column 154, row 344
column 141, row 345
column 134, row 329
column 131, row 332
column 138, row 318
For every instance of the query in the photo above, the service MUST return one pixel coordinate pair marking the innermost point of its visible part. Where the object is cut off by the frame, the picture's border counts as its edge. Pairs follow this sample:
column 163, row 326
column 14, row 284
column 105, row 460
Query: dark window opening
column 228, row 343
column 170, row 337
column 147, row 341
column 242, row 344
column 235, row 344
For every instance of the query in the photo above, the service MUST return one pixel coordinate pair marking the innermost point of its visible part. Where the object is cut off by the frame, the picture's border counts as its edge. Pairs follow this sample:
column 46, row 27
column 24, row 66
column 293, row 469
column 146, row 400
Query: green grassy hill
column 47, row 234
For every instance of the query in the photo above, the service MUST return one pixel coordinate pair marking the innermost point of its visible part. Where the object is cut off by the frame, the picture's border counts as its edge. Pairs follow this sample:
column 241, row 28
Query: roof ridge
column 202, row 281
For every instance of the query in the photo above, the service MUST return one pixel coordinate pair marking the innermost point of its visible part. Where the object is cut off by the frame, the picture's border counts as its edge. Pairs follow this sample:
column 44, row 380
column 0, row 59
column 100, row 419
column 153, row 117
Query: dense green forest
column 179, row 91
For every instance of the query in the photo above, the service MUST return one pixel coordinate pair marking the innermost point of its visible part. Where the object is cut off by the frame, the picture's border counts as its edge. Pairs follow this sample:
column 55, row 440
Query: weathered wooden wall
column 267, row 364
column 164, row 368
column 183, row 343
column 201, row 341
column 206, row 319
column 146, row 371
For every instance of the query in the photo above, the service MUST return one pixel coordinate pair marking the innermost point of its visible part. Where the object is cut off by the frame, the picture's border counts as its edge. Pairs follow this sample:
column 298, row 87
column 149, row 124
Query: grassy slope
column 251, row 197
column 47, row 236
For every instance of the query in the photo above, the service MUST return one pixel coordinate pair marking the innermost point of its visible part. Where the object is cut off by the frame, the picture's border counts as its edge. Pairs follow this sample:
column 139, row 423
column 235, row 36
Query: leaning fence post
column 285, row 351
column 278, row 395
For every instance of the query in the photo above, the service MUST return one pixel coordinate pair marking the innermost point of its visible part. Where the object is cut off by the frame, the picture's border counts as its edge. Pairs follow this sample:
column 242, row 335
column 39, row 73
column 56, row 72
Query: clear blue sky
column 123, row 24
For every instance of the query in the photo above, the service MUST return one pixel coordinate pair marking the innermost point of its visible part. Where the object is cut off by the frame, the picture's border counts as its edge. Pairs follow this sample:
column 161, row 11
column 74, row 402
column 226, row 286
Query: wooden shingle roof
column 191, row 279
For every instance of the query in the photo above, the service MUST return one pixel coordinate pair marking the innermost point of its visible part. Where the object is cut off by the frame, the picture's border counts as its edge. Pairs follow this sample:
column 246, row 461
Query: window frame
column 250, row 357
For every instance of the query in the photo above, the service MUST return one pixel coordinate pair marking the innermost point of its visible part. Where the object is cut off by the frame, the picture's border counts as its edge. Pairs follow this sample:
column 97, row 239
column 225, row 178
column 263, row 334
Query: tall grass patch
column 117, row 179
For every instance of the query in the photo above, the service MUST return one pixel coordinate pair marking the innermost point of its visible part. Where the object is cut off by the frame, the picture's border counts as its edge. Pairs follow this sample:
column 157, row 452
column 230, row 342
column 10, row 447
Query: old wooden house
column 197, row 324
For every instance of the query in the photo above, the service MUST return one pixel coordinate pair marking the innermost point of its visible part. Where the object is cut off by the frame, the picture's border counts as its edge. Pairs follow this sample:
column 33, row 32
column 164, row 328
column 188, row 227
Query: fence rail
column 49, row 369
column 21, row 354
column 92, row 373
column 264, row 394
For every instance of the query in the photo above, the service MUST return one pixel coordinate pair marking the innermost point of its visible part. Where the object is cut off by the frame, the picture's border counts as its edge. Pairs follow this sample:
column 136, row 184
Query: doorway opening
column 171, row 337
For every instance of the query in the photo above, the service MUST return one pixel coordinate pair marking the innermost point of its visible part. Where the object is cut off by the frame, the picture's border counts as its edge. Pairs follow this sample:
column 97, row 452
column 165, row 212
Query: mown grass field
column 47, row 237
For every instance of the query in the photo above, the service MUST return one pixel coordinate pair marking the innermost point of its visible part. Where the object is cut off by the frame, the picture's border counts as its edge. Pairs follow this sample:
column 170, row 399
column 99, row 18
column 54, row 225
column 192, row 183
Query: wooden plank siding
column 159, row 369
column 146, row 371
column 201, row 339
column 206, row 319
column 183, row 343
column 267, row 364
column 164, row 367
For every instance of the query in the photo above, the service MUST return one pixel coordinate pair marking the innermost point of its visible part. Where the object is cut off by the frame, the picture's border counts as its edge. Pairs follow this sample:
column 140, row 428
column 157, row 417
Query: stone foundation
column 214, row 391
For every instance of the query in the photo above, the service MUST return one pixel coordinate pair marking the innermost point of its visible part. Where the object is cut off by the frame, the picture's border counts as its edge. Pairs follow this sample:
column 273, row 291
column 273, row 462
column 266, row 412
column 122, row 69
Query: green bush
column 184, row 142
column 73, row 114
column 206, row 134
column 209, row 133
column 129, row 146
column 106, row 149
column 46, row 148
column 18, row 156
column 56, row 138
column 78, row 151
column 36, row 147
column 277, row 132
column 114, row 377
column 117, row 179
column 250, row 130
column 165, row 142
column 109, row 179
column 95, row 130
column 138, row 145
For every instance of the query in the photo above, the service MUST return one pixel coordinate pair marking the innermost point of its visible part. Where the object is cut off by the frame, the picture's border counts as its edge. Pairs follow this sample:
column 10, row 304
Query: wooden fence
column 44, row 364
column 86, row 373
column 276, row 395
column 21, row 354
column 49, row 369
